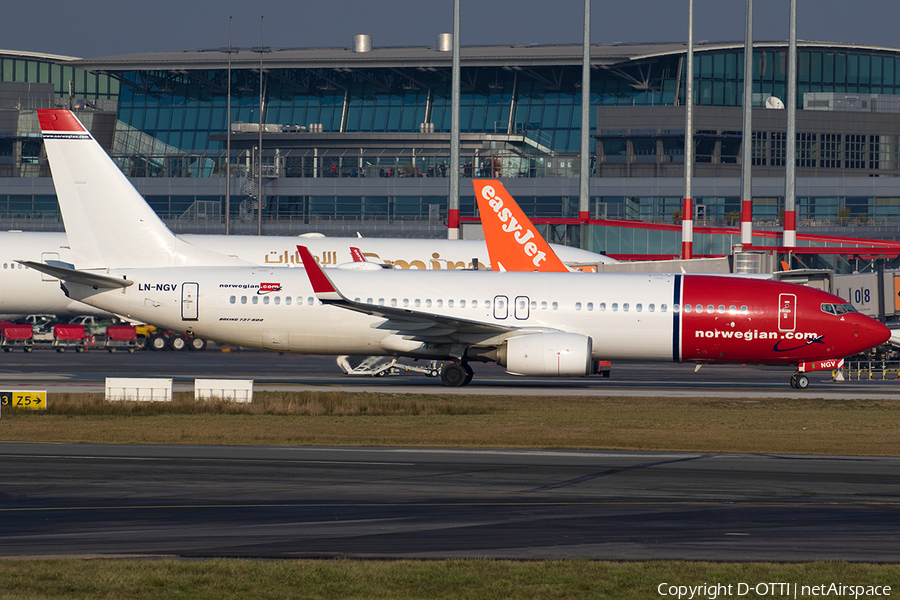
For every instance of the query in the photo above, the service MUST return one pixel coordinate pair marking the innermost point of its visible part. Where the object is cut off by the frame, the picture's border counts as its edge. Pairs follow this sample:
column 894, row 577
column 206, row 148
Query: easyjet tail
column 513, row 242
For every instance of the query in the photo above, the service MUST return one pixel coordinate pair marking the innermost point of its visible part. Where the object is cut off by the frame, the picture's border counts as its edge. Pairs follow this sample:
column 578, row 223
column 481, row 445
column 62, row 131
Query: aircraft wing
column 412, row 322
column 75, row 276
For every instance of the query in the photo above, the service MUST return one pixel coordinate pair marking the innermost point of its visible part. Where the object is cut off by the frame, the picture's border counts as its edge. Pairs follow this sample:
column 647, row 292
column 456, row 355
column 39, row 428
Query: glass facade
column 85, row 84
column 183, row 111
column 718, row 76
column 170, row 124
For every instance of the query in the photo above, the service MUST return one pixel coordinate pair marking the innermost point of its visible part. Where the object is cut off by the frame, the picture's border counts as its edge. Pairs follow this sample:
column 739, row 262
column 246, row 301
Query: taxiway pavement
column 290, row 502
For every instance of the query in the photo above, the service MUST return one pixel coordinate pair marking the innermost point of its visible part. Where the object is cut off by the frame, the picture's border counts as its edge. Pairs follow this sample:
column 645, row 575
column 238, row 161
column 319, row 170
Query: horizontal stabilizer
column 76, row 276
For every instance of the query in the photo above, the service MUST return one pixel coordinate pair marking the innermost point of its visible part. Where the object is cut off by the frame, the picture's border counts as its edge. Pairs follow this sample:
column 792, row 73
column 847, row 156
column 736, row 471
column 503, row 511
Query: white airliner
column 545, row 324
column 28, row 292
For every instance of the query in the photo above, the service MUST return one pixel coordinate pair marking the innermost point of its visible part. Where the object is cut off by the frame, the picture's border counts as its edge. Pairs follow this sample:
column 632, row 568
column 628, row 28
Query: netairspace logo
column 772, row 590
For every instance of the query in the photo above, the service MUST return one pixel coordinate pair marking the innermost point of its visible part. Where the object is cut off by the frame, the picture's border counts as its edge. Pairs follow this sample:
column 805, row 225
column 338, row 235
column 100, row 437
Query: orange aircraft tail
column 513, row 242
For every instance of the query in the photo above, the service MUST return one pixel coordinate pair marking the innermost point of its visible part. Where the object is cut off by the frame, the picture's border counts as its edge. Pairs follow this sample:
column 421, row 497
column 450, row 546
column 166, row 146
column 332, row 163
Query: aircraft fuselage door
column 45, row 258
column 522, row 307
column 501, row 308
column 787, row 312
column 189, row 294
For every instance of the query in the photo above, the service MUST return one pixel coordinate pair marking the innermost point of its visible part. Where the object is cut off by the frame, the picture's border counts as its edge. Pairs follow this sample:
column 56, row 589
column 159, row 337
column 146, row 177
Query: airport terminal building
column 357, row 138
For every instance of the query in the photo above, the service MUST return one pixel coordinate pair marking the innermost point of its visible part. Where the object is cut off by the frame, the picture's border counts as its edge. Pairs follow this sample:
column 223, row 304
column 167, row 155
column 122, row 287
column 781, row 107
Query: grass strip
column 793, row 426
column 435, row 580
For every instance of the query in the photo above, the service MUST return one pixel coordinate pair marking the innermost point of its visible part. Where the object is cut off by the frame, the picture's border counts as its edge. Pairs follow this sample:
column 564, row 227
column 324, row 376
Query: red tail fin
column 321, row 285
column 357, row 254
column 513, row 242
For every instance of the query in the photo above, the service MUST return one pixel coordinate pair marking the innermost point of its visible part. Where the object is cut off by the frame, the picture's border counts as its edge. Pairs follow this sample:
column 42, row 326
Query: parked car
column 39, row 323
column 95, row 325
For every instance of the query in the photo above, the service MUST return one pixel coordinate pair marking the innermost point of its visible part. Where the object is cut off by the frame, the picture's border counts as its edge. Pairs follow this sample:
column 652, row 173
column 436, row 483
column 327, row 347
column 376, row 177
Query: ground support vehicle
column 16, row 336
column 121, row 337
column 70, row 336
column 376, row 366
column 602, row 367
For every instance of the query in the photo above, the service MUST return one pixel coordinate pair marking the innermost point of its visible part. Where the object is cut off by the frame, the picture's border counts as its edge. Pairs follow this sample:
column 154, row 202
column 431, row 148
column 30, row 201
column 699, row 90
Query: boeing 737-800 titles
column 545, row 324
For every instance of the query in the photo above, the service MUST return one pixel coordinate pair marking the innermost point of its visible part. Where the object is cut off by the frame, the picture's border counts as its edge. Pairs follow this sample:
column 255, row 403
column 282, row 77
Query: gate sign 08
column 861, row 290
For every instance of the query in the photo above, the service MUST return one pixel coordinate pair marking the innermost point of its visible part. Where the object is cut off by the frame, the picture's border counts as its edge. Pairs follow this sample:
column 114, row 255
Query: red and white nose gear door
column 787, row 312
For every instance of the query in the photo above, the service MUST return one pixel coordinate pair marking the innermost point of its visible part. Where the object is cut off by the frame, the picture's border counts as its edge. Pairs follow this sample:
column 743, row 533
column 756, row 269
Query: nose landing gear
column 799, row 381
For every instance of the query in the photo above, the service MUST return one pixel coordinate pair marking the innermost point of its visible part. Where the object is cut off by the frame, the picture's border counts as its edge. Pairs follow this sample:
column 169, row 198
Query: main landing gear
column 455, row 374
column 799, row 381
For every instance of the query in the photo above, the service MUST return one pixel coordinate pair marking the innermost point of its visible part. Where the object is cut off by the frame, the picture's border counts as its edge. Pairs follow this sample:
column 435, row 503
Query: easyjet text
column 512, row 225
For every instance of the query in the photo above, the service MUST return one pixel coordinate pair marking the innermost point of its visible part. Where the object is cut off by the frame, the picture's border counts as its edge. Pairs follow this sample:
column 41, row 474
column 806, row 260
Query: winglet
column 513, row 242
column 320, row 282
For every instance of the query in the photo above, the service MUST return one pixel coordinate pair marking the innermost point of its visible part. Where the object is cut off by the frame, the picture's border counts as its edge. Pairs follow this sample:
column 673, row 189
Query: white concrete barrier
column 130, row 388
column 235, row 390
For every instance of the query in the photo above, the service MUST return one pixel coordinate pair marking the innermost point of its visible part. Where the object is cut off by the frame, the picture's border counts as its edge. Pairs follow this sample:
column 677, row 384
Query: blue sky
column 94, row 28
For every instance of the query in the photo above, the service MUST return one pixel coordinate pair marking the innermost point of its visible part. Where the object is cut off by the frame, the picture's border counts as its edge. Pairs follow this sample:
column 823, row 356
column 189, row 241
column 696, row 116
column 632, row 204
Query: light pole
column 229, row 50
column 584, row 196
column 687, row 216
column 790, row 188
column 747, row 134
column 259, row 194
column 453, row 196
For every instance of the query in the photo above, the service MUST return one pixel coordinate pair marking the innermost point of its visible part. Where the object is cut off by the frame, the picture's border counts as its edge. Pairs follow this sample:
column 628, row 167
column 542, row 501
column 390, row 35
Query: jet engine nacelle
column 547, row 355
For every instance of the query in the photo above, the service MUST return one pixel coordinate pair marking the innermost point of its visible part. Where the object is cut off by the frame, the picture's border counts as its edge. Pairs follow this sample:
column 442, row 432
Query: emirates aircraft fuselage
column 25, row 291
column 665, row 317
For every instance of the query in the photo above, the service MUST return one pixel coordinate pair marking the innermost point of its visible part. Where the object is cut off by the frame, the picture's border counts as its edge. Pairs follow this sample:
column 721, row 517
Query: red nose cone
column 870, row 333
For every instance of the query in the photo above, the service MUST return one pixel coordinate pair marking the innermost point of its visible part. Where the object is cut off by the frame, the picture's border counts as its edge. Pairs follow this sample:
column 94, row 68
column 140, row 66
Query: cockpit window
column 838, row 309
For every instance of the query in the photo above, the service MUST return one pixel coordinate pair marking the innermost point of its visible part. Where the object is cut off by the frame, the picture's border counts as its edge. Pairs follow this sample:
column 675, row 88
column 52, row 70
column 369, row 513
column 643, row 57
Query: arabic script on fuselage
column 331, row 259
